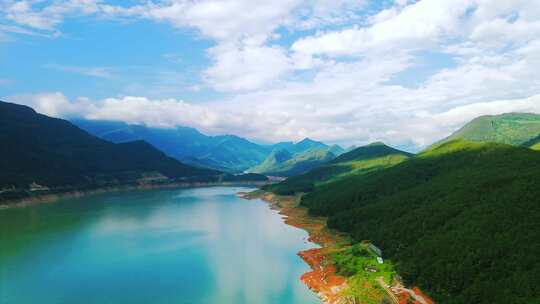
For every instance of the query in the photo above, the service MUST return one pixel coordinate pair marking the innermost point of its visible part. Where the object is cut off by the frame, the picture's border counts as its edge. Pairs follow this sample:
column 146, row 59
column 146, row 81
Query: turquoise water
column 202, row 245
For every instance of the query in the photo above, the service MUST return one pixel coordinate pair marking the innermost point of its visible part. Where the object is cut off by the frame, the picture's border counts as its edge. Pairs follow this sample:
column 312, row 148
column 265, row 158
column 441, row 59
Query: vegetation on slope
column 510, row 128
column 533, row 143
column 53, row 153
column 359, row 161
column 460, row 220
column 283, row 163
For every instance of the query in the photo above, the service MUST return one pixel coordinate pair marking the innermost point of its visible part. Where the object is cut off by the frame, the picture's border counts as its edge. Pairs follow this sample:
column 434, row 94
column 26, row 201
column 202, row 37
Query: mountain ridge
column 509, row 128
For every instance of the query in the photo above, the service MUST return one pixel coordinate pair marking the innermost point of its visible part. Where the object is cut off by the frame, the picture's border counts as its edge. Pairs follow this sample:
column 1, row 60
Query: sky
column 348, row 72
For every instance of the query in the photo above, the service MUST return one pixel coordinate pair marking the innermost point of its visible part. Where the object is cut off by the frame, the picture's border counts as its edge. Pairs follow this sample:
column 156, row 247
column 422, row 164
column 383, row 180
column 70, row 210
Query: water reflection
column 201, row 245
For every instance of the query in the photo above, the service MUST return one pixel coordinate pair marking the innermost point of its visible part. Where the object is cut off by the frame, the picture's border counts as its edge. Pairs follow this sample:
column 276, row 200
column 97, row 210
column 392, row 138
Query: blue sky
column 342, row 71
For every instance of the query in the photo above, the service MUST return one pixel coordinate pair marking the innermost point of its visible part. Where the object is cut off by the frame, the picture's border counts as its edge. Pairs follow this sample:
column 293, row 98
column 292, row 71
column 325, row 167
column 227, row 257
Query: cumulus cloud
column 414, row 26
column 247, row 67
column 343, row 122
column 341, row 83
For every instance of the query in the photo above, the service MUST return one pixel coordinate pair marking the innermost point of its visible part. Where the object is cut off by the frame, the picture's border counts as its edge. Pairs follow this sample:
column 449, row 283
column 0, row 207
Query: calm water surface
column 201, row 245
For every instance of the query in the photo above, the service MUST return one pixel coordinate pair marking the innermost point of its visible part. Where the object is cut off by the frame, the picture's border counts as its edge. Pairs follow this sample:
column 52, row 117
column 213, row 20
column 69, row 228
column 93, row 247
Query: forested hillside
column 510, row 128
column 359, row 161
column 54, row 153
column 461, row 220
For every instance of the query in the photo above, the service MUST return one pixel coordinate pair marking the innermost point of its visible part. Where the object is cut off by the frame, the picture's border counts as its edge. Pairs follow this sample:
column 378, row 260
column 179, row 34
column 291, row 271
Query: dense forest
column 53, row 153
column 372, row 157
column 461, row 220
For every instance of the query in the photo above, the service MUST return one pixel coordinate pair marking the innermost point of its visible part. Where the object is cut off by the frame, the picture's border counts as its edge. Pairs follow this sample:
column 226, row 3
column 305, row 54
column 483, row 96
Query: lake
column 200, row 245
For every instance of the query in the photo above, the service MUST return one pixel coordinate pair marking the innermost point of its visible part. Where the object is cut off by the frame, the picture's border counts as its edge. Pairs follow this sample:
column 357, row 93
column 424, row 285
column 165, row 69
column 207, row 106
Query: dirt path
column 392, row 296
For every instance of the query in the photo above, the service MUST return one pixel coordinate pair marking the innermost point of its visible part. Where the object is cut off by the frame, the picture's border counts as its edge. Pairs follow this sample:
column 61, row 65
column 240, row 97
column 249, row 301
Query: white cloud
column 247, row 67
column 51, row 103
column 343, row 122
column 335, row 85
column 43, row 16
column 100, row 72
column 415, row 26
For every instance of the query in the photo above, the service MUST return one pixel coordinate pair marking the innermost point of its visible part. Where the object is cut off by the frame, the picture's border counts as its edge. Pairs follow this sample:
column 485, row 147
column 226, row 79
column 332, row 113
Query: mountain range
column 460, row 219
column 359, row 161
column 228, row 153
column 40, row 152
column 297, row 158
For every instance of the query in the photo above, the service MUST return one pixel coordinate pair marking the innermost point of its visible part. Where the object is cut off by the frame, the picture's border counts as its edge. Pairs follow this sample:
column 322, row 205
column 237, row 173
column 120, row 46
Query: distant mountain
column 459, row 220
column 510, row 128
column 359, row 161
column 226, row 152
column 40, row 152
column 306, row 144
column 290, row 159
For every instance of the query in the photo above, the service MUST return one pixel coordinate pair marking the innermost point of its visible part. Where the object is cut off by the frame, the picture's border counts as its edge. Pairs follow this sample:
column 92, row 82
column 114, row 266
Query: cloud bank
column 408, row 73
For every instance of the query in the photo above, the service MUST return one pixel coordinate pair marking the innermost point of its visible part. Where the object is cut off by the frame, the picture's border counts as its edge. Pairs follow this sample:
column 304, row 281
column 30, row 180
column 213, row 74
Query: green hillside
column 533, row 143
column 53, row 153
column 289, row 159
column 361, row 160
column 510, row 128
column 461, row 221
column 283, row 163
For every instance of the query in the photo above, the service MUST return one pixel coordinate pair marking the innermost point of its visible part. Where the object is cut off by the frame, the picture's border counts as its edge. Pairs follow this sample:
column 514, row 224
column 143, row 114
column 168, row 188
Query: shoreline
column 47, row 198
column 323, row 280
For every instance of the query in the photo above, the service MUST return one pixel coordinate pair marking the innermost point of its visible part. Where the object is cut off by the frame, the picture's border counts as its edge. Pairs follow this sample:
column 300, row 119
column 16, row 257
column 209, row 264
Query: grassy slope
column 359, row 161
column 533, row 143
column 289, row 165
column 461, row 220
column 511, row 128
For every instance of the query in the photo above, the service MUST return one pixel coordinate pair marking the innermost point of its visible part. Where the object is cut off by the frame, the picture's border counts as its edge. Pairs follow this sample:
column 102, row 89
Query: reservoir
column 196, row 246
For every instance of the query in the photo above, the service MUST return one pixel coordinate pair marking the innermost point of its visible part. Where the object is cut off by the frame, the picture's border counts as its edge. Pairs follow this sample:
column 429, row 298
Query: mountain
column 460, row 220
column 40, row 152
column 226, row 152
column 274, row 160
column 289, row 160
column 361, row 160
column 510, row 128
column 307, row 144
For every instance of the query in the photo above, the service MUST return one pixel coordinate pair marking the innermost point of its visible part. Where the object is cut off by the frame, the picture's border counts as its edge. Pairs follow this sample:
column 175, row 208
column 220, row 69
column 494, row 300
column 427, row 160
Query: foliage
column 461, row 220
column 283, row 163
column 359, row 264
column 54, row 153
column 533, row 143
column 359, row 161
column 510, row 128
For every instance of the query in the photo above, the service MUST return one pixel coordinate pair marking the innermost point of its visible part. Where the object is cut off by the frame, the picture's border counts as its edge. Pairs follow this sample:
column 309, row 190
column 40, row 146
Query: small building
column 371, row 269
column 375, row 249
column 380, row 260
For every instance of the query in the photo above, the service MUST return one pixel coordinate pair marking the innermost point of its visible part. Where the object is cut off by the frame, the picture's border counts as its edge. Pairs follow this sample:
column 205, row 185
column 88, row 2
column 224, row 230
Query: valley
column 394, row 227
